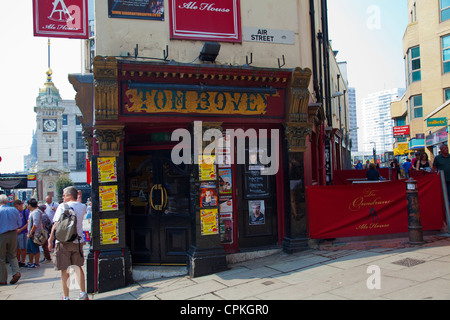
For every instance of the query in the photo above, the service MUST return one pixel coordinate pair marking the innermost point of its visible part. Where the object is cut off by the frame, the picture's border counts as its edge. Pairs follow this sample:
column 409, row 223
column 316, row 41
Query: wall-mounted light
column 210, row 51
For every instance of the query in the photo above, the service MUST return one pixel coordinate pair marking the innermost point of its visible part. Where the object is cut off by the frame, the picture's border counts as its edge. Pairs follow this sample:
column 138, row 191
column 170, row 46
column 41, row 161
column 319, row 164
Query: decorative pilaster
column 206, row 254
column 297, row 128
column 109, row 139
column 106, row 88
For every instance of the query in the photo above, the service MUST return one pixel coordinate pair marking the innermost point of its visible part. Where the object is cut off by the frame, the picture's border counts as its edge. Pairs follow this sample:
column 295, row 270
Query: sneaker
column 36, row 265
column 83, row 296
column 29, row 265
column 21, row 264
column 65, row 298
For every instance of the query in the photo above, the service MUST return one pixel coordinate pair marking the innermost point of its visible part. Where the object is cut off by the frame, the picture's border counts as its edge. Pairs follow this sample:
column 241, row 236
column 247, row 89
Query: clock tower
column 49, row 117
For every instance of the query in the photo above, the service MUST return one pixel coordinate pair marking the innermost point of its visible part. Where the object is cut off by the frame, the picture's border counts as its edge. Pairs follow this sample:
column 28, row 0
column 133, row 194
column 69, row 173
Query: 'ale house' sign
column 218, row 20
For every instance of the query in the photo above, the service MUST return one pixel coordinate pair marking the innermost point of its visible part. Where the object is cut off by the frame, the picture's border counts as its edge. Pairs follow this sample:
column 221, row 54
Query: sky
column 367, row 33
column 24, row 63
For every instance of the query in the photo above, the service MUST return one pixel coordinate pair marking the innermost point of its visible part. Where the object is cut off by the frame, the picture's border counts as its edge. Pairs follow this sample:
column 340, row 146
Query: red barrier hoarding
column 372, row 209
column 61, row 18
column 207, row 20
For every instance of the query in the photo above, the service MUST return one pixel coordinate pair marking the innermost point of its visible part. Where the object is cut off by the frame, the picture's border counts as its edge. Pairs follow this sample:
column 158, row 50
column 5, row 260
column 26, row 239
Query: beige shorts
column 67, row 254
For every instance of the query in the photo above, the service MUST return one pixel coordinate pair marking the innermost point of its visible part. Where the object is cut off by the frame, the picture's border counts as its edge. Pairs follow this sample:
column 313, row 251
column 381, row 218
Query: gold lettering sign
column 161, row 101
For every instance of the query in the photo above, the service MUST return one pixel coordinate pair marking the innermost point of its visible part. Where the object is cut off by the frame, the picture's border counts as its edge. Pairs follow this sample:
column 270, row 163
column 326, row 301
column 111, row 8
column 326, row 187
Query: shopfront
column 192, row 163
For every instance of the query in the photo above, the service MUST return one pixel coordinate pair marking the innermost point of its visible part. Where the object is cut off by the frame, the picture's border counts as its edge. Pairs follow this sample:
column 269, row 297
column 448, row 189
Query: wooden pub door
column 158, row 217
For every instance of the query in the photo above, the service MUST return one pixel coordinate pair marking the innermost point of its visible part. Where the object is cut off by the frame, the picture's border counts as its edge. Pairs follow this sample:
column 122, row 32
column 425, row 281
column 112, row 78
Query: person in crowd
column 414, row 160
column 9, row 223
column 395, row 166
column 50, row 207
column 34, row 227
column 22, row 232
column 359, row 165
column 47, row 225
column 68, row 254
column 424, row 163
column 372, row 174
column 407, row 166
column 442, row 163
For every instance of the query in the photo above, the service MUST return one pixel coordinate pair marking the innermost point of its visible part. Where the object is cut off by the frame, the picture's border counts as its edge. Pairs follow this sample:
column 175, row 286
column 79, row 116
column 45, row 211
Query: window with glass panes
column 445, row 10
column 414, row 73
column 416, row 107
column 446, row 54
column 446, row 94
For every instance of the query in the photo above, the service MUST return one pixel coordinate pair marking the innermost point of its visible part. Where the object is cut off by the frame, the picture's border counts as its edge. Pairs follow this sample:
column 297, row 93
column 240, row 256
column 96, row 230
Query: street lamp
column 374, row 152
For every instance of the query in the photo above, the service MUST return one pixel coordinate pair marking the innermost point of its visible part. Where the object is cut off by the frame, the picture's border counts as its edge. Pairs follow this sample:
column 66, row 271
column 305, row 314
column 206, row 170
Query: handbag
column 42, row 236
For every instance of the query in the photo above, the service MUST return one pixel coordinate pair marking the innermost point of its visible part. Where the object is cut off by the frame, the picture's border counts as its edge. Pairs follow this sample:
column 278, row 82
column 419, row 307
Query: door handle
column 164, row 197
column 151, row 197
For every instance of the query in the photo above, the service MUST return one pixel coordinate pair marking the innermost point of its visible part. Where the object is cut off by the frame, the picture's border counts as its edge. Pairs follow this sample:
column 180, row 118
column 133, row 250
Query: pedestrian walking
column 68, row 254
column 47, row 225
column 407, row 166
column 442, row 163
column 359, row 165
column 414, row 160
column 34, row 227
column 424, row 163
column 22, row 232
column 9, row 223
column 50, row 207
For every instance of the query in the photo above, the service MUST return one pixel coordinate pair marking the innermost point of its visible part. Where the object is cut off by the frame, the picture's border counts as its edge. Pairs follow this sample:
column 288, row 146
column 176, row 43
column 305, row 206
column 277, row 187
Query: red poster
column 218, row 20
column 61, row 18
column 372, row 209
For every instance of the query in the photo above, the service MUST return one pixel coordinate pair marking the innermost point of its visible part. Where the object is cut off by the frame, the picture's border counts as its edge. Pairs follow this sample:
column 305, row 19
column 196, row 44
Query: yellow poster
column 109, row 231
column 107, row 169
column 207, row 167
column 208, row 218
column 108, row 198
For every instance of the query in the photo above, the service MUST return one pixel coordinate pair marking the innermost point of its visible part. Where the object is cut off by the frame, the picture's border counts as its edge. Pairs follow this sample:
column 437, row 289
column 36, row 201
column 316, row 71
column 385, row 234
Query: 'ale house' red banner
column 218, row 20
column 61, row 18
column 372, row 208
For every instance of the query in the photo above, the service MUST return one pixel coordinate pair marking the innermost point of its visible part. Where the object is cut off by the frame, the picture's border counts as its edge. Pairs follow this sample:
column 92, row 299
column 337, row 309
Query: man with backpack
column 68, row 249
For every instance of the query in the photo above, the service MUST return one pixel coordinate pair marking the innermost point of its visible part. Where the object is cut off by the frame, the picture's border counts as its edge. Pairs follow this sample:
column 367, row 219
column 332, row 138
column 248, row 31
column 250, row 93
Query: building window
column 446, row 94
column 414, row 73
column 401, row 122
column 81, row 160
column 80, row 141
column 64, row 122
column 413, row 14
column 445, row 10
column 446, row 53
column 65, row 140
column 416, row 107
column 65, row 159
column 77, row 121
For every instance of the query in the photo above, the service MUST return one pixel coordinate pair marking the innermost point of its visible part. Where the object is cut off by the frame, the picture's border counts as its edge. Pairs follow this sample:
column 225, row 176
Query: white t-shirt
column 49, row 211
column 80, row 210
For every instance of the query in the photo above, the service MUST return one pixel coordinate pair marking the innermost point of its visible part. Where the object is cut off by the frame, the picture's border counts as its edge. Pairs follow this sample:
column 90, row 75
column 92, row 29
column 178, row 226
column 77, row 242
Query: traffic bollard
column 414, row 224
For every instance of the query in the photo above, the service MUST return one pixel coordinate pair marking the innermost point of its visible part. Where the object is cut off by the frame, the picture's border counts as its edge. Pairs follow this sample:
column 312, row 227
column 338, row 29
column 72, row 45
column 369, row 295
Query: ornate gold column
column 109, row 140
column 206, row 254
column 297, row 128
column 106, row 88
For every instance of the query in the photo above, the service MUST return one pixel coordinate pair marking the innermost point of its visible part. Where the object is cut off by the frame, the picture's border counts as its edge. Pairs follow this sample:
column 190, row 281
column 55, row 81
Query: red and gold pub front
column 163, row 195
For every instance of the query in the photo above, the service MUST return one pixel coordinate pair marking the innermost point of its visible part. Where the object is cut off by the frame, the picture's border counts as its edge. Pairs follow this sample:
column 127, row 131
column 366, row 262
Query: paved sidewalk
column 336, row 270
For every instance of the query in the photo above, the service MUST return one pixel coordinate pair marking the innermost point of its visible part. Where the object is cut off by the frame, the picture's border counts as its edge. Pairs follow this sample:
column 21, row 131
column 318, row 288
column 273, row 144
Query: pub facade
column 206, row 151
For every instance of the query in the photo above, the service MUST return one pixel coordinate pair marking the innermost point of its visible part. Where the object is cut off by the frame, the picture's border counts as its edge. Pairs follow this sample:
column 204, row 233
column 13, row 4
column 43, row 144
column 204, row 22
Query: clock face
column 50, row 125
